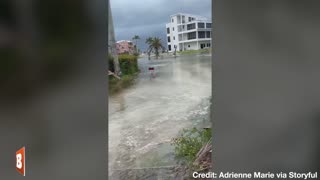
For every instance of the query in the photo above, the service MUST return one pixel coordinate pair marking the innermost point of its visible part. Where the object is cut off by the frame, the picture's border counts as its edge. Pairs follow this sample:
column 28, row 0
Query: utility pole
column 112, row 43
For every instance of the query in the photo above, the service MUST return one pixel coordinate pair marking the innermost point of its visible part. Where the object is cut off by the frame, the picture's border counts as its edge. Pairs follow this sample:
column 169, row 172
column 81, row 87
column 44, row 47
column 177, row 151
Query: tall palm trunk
column 157, row 52
column 136, row 46
column 149, row 55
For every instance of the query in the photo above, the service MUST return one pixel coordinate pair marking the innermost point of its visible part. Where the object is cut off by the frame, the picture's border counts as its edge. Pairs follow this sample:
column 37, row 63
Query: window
column 189, row 19
column 200, row 25
column 191, row 26
column 201, row 34
column 174, row 38
column 168, row 38
column 208, row 45
column 169, row 47
column 208, row 25
column 180, row 28
column 172, row 28
column 192, row 35
column 172, row 20
column 208, row 34
column 183, row 19
column 189, row 45
column 168, row 30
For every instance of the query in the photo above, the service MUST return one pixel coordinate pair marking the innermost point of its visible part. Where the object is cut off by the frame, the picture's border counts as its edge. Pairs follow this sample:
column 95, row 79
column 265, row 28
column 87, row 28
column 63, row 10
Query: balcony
column 194, row 36
column 193, row 26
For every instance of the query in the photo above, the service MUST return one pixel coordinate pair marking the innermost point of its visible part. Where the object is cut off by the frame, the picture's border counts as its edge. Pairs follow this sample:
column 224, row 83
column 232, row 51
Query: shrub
column 189, row 143
column 116, row 85
column 129, row 68
column 128, row 64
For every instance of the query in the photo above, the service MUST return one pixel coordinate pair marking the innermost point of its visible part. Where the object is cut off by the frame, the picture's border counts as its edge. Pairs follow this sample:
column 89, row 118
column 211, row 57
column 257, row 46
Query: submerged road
column 146, row 116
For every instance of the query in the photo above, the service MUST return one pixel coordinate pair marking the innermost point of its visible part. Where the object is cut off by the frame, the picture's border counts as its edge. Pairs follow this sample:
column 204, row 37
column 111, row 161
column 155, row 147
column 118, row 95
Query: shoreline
column 179, row 54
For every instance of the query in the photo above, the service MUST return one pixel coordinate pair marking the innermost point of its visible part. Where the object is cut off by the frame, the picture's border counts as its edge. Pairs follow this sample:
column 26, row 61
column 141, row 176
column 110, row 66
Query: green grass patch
column 195, row 51
column 189, row 142
column 116, row 85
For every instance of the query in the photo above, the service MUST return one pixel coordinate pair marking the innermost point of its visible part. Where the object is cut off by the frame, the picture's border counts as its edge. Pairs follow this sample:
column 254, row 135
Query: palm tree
column 149, row 41
column 136, row 38
column 154, row 45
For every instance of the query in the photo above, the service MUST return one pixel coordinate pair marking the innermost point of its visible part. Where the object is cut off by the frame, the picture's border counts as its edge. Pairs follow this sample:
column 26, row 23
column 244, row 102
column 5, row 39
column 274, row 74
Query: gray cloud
column 148, row 17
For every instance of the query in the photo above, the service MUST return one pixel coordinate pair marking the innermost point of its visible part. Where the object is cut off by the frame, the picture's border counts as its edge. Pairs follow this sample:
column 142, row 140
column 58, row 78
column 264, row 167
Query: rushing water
column 146, row 116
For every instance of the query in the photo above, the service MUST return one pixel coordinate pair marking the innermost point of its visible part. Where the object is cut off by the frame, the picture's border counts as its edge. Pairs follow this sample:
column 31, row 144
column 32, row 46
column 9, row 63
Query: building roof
column 124, row 41
column 196, row 16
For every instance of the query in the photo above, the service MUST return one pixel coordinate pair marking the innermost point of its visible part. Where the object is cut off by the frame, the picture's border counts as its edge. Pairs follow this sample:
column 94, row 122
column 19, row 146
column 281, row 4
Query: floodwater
column 146, row 116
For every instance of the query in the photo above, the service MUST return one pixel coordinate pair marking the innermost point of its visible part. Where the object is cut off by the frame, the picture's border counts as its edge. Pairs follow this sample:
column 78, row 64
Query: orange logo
column 20, row 161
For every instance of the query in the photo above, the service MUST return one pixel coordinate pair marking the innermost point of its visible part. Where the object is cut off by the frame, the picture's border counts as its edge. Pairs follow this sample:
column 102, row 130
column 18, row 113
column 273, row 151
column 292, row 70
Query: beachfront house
column 125, row 47
column 188, row 32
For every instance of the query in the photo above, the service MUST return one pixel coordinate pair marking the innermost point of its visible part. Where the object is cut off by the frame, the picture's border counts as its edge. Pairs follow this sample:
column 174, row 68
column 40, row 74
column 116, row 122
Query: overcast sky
column 149, row 17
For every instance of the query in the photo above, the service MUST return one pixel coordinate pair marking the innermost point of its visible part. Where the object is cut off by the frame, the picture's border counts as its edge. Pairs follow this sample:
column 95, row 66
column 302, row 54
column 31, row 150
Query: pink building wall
column 125, row 47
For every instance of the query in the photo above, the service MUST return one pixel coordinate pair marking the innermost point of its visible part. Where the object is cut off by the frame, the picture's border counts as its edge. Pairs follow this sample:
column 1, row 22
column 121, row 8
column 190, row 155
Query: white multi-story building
column 188, row 32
